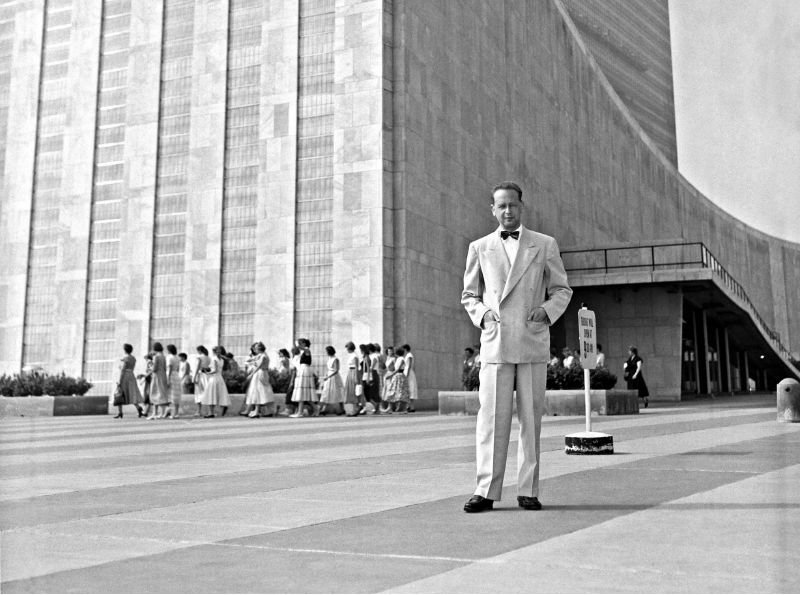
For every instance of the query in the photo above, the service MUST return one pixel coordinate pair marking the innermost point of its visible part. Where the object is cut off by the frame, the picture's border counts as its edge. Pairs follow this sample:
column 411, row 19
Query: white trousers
column 494, row 426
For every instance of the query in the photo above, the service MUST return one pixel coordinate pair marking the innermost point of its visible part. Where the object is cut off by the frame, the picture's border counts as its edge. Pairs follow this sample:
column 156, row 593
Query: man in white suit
column 515, row 286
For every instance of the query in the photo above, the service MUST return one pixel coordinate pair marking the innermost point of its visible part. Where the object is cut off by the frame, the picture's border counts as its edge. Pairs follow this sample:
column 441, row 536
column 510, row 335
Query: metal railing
column 658, row 257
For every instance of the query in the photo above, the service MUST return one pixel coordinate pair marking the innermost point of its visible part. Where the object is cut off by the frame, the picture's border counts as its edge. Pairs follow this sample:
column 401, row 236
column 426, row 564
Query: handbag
column 359, row 390
column 119, row 396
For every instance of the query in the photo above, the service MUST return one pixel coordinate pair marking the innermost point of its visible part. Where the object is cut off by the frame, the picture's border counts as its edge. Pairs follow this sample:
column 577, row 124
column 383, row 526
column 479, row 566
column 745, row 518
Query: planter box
column 46, row 406
column 557, row 402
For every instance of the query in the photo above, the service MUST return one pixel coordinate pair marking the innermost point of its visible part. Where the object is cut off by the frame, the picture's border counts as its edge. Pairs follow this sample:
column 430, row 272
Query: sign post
column 588, row 442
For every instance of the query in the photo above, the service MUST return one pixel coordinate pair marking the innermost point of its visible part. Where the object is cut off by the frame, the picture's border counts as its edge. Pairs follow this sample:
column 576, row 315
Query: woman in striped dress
column 304, row 386
column 159, row 387
column 352, row 382
column 174, row 380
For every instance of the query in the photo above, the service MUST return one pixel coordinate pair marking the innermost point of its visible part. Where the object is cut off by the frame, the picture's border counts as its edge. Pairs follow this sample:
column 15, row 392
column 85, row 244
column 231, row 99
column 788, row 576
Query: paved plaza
column 701, row 496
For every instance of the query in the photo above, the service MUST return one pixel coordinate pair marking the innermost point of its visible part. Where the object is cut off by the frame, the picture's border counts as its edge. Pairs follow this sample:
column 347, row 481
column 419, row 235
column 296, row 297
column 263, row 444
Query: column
column 727, row 361
column 275, row 212
column 362, row 184
column 719, row 359
column 746, row 373
column 706, row 352
column 16, row 174
column 696, row 353
column 203, row 257
column 140, row 156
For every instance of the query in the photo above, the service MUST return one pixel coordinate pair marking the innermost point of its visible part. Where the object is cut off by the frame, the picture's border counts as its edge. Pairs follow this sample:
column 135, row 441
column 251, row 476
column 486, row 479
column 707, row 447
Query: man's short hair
column 507, row 186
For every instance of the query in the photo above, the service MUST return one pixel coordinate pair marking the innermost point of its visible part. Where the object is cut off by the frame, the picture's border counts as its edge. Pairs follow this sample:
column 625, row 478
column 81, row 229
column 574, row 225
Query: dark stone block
column 80, row 405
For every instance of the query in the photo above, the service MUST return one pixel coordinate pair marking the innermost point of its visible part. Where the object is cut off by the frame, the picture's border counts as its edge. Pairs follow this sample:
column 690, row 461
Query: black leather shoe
column 478, row 504
column 529, row 503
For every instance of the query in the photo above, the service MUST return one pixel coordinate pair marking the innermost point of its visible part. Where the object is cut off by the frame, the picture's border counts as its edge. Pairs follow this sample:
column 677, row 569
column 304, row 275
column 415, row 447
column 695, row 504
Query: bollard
column 789, row 400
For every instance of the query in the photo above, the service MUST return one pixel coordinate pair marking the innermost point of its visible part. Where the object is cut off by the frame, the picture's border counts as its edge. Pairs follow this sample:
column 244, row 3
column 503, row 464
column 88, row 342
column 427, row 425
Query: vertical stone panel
column 141, row 149
column 275, row 215
column 16, row 176
column 359, row 285
column 205, row 180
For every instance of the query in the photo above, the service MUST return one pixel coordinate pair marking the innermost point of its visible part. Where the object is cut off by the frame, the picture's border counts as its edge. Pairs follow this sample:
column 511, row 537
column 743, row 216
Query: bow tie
column 509, row 234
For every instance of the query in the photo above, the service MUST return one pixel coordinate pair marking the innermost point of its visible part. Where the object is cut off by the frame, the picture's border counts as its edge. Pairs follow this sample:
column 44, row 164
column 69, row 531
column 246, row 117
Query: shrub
column 235, row 381
column 561, row 378
column 38, row 383
column 280, row 379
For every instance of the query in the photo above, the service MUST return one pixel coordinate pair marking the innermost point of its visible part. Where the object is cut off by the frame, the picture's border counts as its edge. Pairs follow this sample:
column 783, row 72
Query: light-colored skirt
column 216, row 393
column 413, row 391
column 396, row 389
column 200, row 388
column 159, row 389
column 259, row 391
column 175, row 386
column 333, row 390
column 304, row 389
column 350, row 384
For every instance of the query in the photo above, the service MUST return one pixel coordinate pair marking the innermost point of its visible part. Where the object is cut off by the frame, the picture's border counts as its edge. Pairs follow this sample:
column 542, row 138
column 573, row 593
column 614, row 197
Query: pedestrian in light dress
column 203, row 361
column 185, row 372
column 127, row 391
column 259, row 390
column 159, row 386
column 215, row 392
column 332, row 398
column 389, row 365
column 397, row 384
column 174, row 380
column 305, row 389
column 411, row 376
column 353, row 389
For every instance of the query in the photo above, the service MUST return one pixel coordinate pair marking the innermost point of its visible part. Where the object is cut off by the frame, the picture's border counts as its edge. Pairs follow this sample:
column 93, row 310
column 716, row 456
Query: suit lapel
column 499, row 256
column 525, row 255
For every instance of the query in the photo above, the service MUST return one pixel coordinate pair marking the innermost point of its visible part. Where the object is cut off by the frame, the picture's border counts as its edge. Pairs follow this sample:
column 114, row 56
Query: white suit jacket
column 537, row 279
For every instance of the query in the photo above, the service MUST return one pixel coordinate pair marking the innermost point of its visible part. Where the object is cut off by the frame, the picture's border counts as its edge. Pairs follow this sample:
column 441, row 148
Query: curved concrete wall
column 491, row 91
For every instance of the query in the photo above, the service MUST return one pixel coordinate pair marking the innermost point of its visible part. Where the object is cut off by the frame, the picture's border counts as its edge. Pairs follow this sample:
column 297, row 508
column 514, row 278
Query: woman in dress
column 411, row 377
column 200, row 368
column 185, row 372
column 353, row 389
column 389, row 363
column 174, row 379
column 332, row 388
column 127, row 392
column 633, row 374
column 369, row 378
column 215, row 392
column 159, row 386
column 397, row 384
column 304, row 388
column 259, row 390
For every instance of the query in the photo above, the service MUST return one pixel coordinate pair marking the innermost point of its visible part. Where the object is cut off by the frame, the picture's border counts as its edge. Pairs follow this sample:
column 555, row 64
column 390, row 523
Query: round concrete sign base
column 589, row 443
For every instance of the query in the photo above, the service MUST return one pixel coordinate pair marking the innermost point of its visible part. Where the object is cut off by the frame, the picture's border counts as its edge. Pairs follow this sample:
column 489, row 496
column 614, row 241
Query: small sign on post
column 588, row 442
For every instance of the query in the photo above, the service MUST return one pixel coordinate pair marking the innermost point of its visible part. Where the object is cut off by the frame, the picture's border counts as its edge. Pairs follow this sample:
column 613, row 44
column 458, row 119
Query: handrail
column 702, row 258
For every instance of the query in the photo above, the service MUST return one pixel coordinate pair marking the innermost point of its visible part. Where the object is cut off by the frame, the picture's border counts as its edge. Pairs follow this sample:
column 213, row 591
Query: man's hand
column 539, row 315
column 489, row 316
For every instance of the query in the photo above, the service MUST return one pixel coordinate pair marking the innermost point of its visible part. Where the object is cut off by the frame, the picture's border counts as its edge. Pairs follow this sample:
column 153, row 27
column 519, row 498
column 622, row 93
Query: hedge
column 36, row 384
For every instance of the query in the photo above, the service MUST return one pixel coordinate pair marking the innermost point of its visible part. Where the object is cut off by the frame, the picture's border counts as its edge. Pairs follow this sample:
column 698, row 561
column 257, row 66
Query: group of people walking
column 372, row 381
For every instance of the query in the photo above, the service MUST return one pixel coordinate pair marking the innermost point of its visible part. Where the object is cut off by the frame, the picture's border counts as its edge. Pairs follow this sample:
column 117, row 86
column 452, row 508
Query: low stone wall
column 557, row 402
column 50, row 406
column 46, row 406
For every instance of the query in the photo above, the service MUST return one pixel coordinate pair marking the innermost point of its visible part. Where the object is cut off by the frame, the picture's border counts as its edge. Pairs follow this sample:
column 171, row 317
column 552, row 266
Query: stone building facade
column 232, row 170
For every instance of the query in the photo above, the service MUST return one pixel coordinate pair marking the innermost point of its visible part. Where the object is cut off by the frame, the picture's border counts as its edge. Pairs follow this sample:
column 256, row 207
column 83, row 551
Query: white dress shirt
column 511, row 246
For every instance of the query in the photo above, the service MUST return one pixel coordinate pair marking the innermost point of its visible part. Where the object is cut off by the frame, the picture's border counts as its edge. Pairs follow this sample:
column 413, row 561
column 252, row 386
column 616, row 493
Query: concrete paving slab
column 313, row 514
